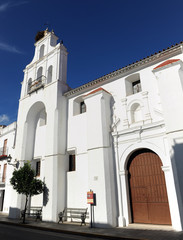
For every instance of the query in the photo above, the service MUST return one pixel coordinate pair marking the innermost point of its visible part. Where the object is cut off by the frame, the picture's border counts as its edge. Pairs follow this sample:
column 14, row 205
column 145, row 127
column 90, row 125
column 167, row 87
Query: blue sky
column 101, row 36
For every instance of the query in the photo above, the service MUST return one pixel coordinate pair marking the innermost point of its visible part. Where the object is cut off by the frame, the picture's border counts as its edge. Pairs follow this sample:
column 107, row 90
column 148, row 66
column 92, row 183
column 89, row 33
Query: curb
column 102, row 236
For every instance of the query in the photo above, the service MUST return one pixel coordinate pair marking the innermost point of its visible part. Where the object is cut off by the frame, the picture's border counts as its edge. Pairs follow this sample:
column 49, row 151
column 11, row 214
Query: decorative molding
column 126, row 69
column 124, row 101
column 123, row 173
column 144, row 94
column 126, row 123
column 165, row 168
column 158, row 112
column 136, row 129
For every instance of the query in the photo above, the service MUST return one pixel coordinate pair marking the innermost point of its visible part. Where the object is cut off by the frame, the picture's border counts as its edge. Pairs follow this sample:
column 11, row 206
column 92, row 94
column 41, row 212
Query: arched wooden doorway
column 149, row 201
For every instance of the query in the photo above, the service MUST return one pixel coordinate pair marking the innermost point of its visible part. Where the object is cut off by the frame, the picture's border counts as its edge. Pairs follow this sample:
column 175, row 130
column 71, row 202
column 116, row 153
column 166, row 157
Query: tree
column 24, row 182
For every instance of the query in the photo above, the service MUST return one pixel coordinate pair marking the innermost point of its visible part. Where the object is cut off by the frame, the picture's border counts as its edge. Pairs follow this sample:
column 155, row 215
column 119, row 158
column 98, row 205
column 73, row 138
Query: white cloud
column 7, row 5
column 4, row 118
column 9, row 48
column 4, row 6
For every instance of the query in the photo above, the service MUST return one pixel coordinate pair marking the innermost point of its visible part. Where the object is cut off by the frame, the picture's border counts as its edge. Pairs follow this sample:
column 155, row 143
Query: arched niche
column 50, row 73
column 41, row 52
column 39, row 72
column 136, row 113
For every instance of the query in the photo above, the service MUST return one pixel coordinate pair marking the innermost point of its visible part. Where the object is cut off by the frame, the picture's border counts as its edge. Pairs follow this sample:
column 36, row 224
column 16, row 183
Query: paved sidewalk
column 133, row 231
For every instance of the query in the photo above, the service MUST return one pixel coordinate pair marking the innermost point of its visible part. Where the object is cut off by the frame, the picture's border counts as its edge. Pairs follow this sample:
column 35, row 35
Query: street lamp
column 16, row 164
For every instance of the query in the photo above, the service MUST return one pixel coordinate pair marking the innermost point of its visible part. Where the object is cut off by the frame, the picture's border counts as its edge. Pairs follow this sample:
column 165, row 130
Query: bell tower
column 49, row 64
column 41, row 131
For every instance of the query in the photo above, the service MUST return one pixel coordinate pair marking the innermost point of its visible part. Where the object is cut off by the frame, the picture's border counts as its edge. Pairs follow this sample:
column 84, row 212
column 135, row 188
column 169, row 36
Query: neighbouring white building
column 120, row 135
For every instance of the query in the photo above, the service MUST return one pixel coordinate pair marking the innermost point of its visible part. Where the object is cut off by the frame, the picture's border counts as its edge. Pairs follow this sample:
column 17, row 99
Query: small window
column 82, row 107
column 136, row 86
column 79, row 106
column 133, row 84
column 38, row 168
column 72, row 163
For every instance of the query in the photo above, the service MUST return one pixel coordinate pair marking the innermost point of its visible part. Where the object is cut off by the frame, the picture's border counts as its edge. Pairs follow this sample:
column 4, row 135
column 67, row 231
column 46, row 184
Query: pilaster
column 124, row 113
column 147, row 115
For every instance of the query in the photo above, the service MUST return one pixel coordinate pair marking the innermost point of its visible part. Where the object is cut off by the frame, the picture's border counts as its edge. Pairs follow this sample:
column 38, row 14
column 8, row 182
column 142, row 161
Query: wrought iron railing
column 36, row 84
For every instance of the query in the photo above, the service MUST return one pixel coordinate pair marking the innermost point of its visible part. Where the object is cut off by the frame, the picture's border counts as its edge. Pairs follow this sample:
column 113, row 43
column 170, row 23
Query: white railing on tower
column 37, row 84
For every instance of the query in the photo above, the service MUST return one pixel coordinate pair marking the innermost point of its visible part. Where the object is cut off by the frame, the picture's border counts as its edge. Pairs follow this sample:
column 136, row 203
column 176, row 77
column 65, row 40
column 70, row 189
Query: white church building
column 120, row 136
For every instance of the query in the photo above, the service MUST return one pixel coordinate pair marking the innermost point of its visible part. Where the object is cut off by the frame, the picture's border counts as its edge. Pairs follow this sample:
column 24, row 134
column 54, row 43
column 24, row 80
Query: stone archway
column 148, row 194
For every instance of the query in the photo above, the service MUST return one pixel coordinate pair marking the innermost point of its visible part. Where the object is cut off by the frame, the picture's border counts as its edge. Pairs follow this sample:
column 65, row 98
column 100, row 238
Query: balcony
column 36, row 84
column 3, row 153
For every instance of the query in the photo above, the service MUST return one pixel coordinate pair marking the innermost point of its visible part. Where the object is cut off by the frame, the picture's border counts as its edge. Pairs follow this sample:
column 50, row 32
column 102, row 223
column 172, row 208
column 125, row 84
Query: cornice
column 128, row 68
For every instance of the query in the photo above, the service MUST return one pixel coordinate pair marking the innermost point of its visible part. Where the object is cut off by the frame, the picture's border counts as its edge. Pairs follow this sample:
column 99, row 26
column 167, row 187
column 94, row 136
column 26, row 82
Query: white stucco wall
column 149, row 133
column 9, row 133
column 115, row 124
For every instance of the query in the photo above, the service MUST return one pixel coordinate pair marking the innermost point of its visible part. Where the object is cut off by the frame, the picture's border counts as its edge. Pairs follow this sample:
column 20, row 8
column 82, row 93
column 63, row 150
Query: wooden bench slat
column 33, row 212
column 73, row 213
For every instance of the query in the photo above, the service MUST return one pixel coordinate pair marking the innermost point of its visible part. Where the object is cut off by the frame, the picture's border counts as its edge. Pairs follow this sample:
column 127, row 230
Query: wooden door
column 149, row 201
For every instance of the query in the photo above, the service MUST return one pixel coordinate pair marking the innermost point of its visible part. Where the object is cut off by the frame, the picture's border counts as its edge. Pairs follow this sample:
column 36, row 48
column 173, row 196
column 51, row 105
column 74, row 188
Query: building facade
column 120, row 136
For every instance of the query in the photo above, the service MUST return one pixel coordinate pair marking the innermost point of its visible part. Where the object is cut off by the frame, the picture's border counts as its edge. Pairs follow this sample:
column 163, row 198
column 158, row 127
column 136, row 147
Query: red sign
column 90, row 198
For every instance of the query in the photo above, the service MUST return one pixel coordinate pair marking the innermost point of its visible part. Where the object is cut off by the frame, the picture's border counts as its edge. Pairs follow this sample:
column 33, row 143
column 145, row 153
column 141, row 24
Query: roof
column 96, row 90
column 167, row 63
column 141, row 62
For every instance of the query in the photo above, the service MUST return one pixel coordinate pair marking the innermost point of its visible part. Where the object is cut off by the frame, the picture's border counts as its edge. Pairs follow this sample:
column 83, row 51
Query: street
column 8, row 232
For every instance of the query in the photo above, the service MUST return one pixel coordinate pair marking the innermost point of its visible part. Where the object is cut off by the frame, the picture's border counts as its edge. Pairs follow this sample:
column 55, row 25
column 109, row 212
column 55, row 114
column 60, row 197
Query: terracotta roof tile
column 167, row 62
column 96, row 90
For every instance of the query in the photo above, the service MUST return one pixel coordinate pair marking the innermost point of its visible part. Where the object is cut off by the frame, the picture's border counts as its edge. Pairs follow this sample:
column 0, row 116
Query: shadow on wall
column 14, row 212
column 177, row 165
column 45, row 196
